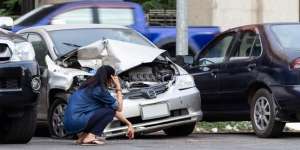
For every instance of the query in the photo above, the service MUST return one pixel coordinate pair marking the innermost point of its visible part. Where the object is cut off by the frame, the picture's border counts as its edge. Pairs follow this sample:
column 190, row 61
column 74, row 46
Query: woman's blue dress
column 82, row 105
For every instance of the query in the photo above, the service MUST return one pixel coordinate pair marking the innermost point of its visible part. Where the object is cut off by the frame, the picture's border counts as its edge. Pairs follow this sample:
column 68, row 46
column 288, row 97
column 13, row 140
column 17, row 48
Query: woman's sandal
column 92, row 143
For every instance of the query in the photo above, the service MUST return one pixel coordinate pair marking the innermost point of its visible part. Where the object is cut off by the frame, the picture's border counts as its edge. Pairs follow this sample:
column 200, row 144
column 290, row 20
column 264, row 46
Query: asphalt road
column 157, row 141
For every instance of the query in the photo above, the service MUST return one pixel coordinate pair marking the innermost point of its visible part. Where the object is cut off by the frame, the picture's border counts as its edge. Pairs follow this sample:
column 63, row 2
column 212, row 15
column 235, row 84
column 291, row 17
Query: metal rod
column 181, row 28
column 36, row 3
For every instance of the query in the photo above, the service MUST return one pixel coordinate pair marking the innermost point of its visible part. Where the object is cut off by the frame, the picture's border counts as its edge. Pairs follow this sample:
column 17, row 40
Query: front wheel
column 56, row 117
column 263, row 114
column 20, row 129
column 182, row 130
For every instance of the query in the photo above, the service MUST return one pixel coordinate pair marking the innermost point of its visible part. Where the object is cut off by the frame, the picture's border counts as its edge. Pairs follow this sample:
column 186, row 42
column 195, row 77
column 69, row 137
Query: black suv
column 19, row 88
column 251, row 73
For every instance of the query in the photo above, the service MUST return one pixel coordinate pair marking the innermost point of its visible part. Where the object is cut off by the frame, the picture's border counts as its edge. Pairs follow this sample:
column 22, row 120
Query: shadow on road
column 42, row 131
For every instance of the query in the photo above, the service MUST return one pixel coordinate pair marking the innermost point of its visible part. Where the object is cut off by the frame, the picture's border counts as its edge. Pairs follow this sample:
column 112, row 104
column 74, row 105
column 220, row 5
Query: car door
column 238, row 71
column 41, row 51
column 206, row 71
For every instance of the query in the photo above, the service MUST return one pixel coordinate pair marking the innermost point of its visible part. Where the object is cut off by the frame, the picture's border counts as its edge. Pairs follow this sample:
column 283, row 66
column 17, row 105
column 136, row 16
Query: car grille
column 10, row 84
column 10, row 78
column 147, row 92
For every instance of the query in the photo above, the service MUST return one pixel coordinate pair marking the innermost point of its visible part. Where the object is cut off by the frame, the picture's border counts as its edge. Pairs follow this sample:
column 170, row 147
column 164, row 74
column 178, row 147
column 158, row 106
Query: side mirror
column 6, row 22
column 184, row 61
column 5, row 52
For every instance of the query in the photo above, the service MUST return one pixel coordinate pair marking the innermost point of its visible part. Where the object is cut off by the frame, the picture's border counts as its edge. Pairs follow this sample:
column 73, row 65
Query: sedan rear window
column 287, row 35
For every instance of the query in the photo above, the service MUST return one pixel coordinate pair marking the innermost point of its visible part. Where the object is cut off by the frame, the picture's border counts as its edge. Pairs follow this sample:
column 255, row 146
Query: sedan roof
column 74, row 26
column 260, row 25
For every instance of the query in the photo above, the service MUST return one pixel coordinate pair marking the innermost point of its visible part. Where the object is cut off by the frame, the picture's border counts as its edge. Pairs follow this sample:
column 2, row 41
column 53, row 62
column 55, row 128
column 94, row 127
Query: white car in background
column 158, row 94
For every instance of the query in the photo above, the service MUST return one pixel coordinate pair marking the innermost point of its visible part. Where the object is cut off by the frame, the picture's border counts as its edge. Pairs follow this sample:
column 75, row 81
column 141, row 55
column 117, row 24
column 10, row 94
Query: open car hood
column 118, row 54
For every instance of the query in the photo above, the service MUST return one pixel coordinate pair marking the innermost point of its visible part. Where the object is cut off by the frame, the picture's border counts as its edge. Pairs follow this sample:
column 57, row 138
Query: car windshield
column 288, row 35
column 67, row 40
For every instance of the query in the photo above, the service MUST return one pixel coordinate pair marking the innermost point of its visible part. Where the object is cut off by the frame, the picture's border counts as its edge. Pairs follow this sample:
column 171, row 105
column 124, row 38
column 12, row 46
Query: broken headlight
column 185, row 82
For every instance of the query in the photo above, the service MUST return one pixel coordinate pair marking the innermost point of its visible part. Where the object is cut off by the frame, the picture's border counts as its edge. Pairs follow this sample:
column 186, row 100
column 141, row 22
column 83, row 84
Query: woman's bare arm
column 119, row 98
column 118, row 91
column 120, row 116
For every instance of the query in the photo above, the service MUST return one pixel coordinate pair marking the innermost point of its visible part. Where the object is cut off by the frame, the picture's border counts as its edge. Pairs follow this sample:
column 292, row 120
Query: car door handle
column 251, row 67
column 213, row 72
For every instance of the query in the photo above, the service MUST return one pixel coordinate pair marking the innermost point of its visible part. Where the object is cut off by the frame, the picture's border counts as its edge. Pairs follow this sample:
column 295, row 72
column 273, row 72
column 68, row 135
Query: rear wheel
column 182, row 130
column 56, row 117
column 19, row 129
column 263, row 114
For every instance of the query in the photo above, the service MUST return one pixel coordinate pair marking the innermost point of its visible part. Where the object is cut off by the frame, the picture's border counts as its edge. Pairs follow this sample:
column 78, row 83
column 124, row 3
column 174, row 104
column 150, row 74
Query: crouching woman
column 92, row 107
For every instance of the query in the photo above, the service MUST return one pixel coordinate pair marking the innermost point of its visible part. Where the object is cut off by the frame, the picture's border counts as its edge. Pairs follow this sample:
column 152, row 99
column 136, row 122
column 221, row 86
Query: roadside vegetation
column 223, row 127
column 157, row 4
column 9, row 7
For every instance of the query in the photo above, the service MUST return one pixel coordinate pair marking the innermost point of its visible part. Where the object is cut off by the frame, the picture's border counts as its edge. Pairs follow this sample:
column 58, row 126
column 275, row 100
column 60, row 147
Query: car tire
column 56, row 116
column 182, row 130
column 263, row 115
column 19, row 130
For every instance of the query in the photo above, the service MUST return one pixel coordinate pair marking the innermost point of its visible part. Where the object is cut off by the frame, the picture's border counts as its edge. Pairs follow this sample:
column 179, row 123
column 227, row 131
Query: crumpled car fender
column 61, row 78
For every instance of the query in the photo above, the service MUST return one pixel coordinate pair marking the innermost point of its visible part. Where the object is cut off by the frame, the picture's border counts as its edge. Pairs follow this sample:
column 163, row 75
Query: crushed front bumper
column 16, row 84
column 184, row 107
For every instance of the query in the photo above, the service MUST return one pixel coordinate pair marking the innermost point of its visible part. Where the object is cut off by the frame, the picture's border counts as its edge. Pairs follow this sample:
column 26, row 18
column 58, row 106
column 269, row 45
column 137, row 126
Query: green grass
column 223, row 127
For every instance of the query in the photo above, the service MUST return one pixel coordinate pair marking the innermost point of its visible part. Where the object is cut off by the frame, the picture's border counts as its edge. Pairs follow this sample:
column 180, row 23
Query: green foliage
column 223, row 127
column 157, row 4
column 9, row 7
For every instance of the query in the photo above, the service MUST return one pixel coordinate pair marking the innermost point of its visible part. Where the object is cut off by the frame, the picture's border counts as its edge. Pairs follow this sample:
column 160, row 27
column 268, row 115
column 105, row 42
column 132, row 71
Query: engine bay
column 147, row 80
column 140, row 78
column 148, row 74
column 144, row 81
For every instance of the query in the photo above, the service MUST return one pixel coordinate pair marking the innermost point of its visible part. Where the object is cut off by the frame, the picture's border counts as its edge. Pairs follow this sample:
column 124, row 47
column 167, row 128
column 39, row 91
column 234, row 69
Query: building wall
column 199, row 12
column 231, row 13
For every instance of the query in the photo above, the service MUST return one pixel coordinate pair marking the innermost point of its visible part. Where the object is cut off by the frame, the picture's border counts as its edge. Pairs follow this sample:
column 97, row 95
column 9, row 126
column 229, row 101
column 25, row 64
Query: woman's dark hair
column 101, row 78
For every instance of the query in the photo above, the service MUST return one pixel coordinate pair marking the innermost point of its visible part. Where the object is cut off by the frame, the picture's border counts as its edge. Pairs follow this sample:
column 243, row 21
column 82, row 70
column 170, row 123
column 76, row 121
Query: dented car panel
column 62, row 78
column 158, row 94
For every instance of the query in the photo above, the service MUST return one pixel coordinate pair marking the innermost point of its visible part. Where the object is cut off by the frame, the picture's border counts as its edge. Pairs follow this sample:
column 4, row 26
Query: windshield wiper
column 72, row 45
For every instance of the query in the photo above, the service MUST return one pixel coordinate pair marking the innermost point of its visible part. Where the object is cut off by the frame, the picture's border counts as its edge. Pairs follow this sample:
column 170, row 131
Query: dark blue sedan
column 252, row 73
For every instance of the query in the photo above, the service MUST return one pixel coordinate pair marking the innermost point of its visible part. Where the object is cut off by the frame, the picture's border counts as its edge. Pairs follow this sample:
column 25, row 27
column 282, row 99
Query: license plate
column 154, row 111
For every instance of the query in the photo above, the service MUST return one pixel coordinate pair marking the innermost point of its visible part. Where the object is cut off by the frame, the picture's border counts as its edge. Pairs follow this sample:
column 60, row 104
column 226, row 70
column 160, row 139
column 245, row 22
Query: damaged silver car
column 158, row 94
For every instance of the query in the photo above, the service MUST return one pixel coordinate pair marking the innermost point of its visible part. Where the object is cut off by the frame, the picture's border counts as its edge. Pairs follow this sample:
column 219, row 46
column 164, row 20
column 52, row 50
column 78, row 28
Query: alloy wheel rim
column 58, row 120
column 262, row 113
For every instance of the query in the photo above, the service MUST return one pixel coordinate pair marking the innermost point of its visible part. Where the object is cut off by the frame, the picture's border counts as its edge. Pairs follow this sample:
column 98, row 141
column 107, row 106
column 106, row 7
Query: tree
column 9, row 7
column 157, row 4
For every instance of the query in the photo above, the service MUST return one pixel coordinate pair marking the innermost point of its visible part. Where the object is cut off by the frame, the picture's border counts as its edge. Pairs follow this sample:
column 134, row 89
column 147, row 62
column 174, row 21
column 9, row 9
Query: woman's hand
column 116, row 82
column 130, row 132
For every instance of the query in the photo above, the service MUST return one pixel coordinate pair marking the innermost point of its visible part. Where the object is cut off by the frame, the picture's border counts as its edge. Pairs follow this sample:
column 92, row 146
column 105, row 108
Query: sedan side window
column 248, row 46
column 40, row 48
column 77, row 16
column 216, row 53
